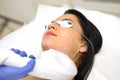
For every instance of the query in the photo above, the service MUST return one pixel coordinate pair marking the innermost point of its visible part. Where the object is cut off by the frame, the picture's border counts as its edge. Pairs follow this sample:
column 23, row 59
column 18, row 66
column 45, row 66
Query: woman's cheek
column 65, row 34
column 67, row 39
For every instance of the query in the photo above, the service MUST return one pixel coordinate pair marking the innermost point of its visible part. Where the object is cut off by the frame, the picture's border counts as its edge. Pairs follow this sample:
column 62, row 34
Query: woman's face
column 68, row 40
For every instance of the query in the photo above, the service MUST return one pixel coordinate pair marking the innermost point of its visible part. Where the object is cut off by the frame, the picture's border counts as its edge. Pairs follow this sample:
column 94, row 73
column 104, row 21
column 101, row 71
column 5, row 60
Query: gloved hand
column 15, row 73
column 22, row 53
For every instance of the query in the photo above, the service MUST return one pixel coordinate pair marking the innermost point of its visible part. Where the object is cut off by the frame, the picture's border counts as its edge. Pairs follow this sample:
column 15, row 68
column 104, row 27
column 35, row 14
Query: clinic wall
column 20, row 10
column 53, row 2
column 25, row 10
column 111, row 7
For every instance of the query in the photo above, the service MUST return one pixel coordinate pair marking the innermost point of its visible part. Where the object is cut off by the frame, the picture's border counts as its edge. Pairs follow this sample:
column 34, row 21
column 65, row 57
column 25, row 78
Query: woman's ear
column 83, row 47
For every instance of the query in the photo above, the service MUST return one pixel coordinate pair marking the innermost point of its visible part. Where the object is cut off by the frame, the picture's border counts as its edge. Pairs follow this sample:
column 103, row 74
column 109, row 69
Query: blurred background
column 15, row 13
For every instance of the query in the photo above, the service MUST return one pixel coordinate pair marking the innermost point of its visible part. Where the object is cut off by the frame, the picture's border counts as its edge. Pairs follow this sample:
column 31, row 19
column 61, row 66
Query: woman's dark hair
column 92, row 35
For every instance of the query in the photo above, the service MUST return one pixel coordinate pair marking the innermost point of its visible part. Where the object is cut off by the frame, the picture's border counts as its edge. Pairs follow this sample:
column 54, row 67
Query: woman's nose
column 51, row 26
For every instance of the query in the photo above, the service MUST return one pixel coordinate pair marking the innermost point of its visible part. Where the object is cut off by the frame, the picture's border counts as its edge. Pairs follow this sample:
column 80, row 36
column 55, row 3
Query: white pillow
column 107, row 62
column 28, row 37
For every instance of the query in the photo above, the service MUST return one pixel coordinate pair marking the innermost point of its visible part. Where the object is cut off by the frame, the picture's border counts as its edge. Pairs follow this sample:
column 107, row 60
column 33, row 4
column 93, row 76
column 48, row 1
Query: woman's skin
column 66, row 40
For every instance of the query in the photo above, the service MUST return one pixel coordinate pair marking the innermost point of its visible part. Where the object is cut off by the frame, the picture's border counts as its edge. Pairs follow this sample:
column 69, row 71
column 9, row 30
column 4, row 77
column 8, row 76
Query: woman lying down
column 69, row 45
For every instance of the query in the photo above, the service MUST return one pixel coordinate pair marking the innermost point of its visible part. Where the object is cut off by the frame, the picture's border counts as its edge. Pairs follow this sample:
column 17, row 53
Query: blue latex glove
column 15, row 73
column 22, row 53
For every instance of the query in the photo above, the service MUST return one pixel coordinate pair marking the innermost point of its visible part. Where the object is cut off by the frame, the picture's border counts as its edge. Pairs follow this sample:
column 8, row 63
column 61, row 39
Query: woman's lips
column 50, row 33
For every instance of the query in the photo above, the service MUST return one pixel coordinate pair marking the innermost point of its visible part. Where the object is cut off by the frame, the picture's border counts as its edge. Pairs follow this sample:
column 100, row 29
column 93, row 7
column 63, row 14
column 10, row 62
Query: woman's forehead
column 68, row 16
